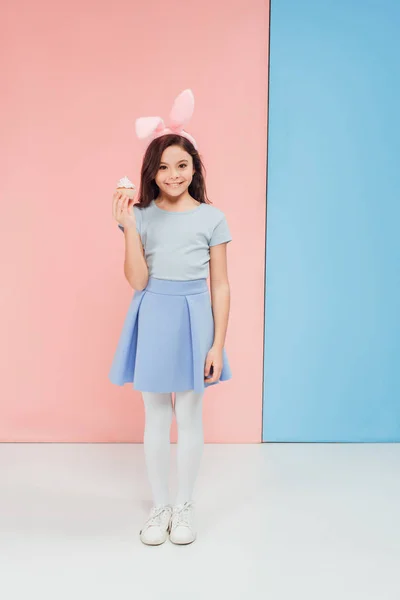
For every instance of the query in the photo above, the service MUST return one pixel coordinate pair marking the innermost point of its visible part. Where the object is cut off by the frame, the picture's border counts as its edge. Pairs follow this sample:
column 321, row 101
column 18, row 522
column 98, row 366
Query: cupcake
column 126, row 186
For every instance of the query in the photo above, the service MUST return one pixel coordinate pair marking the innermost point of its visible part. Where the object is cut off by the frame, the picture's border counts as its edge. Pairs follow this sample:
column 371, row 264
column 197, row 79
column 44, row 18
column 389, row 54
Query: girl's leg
column 189, row 419
column 156, row 442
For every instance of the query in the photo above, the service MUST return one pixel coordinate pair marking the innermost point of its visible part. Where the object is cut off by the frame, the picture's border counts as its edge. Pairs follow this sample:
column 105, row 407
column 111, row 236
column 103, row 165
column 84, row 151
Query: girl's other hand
column 122, row 210
column 213, row 365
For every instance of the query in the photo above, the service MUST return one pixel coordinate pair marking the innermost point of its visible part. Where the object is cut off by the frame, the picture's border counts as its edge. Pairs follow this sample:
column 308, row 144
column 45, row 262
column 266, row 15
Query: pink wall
column 77, row 77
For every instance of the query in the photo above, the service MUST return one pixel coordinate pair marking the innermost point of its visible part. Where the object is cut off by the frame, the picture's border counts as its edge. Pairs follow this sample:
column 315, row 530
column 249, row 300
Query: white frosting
column 124, row 182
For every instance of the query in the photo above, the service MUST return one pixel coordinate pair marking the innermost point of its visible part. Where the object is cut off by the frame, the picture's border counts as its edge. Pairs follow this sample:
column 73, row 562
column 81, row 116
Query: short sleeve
column 138, row 216
column 221, row 233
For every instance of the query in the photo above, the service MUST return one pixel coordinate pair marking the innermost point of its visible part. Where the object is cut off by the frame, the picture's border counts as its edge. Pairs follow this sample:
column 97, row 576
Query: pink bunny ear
column 182, row 108
column 147, row 126
column 150, row 128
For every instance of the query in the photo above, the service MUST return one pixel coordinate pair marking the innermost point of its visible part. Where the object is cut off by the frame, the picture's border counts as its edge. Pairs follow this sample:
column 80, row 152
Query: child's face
column 176, row 167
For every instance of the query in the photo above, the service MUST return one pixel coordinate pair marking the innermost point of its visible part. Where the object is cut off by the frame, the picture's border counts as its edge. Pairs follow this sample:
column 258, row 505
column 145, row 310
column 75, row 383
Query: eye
column 181, row 165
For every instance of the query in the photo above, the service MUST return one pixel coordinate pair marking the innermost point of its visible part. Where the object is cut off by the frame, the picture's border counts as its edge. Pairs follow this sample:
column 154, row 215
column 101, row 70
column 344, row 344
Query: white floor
column 275, row 521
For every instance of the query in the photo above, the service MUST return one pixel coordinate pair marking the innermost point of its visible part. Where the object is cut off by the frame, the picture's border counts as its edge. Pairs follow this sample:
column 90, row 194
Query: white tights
column 158, row 416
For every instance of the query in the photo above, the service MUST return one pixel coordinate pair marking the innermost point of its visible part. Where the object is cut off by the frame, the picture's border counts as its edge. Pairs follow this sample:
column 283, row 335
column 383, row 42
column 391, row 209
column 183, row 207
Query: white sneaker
column 155, row 530
column 182, row 529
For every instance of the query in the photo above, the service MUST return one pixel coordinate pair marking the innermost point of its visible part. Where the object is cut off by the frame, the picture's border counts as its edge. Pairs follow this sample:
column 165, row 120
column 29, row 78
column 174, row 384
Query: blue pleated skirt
column 165, row 338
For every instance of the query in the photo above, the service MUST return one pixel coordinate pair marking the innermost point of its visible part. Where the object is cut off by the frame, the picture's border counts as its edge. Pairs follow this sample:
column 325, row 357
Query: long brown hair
column 148, row 189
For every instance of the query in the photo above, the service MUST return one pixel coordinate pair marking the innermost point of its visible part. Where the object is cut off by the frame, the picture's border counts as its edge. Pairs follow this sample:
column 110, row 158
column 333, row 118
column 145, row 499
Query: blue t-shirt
column 177, row 244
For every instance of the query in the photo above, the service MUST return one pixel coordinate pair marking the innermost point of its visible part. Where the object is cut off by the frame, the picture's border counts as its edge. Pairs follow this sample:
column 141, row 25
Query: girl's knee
column 188, row 409
column 158, row 406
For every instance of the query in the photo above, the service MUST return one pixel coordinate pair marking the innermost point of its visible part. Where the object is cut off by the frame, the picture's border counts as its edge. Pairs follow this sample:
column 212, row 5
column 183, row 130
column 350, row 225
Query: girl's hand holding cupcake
column 123, row 200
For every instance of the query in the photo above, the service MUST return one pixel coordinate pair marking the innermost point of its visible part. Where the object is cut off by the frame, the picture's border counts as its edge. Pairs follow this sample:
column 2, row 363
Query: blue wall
column 332, row 324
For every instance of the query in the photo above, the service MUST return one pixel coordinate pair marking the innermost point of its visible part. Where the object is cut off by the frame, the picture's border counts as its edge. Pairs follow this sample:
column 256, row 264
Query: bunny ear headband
column 150, row 128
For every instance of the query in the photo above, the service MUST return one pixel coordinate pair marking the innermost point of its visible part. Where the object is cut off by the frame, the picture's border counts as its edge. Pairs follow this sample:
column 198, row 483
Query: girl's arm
column 220, row 293
column 135, row 266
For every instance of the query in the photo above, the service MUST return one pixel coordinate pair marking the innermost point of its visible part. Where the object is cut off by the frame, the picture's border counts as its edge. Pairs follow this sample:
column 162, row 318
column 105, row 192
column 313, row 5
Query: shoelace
column 181, row 515
column 158, row 515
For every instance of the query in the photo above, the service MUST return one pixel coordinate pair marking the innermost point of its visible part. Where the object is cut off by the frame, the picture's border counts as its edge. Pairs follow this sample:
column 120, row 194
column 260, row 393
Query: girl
column 173, row 338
